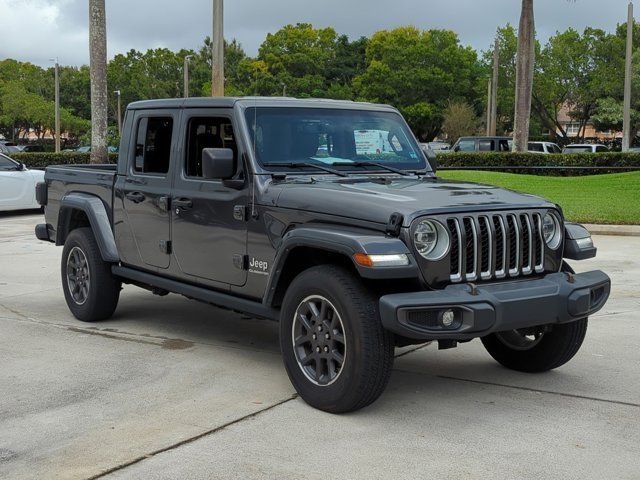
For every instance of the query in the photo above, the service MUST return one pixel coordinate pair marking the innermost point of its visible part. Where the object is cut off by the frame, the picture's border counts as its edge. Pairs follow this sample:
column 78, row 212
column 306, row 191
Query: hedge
column 505, row 160
column 44, row 159
column 449, row 160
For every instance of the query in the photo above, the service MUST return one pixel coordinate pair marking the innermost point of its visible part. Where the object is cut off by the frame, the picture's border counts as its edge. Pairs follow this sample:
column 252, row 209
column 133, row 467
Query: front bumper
column 484, row 309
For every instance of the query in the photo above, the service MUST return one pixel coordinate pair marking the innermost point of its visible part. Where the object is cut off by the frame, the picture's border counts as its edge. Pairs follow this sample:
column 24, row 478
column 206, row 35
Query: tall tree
column 525, row 60
column 418, row 72
column 98, row 75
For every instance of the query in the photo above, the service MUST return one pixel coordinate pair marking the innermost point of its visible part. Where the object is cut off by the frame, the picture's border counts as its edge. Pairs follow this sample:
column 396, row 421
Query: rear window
column 153, row 145
column 486, row 145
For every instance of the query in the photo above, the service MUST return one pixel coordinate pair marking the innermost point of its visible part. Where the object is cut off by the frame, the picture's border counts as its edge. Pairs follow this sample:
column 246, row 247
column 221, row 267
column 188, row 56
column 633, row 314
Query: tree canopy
column 421, row 72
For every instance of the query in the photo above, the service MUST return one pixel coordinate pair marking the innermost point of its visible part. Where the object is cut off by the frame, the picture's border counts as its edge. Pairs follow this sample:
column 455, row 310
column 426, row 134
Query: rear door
column 147, row 186
column 209, row 224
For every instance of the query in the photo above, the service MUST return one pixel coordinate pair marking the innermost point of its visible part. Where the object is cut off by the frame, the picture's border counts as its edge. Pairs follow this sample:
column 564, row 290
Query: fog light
column 448, row 317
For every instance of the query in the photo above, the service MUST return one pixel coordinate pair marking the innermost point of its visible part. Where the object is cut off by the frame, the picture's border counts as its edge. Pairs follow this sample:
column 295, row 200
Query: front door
column 208, row 217
column 147, row 186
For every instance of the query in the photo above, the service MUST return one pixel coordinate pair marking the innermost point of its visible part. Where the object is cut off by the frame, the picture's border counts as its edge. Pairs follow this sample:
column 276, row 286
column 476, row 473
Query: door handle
column 135, row 197
column 183, row 203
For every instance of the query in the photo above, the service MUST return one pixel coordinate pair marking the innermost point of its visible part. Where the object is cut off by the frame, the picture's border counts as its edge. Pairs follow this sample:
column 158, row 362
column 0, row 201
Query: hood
column 375, row 199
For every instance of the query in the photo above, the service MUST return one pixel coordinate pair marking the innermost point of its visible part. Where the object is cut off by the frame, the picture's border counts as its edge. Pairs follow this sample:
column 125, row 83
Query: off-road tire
column 103, row 289
column 556, row 347
column 368, row 347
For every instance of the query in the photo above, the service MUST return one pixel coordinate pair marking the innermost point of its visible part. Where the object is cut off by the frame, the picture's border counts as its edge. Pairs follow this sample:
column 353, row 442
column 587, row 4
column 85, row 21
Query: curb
column 620, row 230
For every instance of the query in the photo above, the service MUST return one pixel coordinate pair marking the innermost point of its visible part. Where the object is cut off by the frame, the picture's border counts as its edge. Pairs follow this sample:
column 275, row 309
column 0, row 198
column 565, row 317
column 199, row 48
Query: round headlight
column 551, row 231
column 431, row 239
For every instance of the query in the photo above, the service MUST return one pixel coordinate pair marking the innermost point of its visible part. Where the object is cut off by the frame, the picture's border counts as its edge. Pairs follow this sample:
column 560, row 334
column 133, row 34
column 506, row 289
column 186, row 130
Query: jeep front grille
column 495, row 246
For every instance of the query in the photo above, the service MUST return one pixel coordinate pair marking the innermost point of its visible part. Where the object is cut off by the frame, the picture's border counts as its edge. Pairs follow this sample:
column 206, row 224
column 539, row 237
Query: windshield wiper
column 310, row 165
column 372, row 164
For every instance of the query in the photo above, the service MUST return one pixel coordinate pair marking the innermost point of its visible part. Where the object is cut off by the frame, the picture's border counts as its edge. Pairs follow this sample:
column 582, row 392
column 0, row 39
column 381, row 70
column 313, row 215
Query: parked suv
column 483, row 144
column 327, row 217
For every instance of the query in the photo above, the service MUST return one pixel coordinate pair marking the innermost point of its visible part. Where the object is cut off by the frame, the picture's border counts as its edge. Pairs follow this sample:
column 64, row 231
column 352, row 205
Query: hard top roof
column 229, row 102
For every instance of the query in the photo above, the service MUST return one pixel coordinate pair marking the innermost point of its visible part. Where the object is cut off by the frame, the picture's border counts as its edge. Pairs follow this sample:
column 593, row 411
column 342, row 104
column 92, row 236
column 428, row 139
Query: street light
column 117, row 92
column 186, row 75
column 57, row 103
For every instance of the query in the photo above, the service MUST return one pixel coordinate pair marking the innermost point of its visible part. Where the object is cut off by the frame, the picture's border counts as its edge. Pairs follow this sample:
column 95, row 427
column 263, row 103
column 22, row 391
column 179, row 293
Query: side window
column 466, row 146
column 153, row 145
column 6, row 164
column 485, row 145
column 536, row 147
column 601, row 149
column 207, row 132
column 505, row 146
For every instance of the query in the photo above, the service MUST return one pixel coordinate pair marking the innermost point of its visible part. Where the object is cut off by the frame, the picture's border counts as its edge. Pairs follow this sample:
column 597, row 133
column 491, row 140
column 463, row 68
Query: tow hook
column 570, row 277
column 473, row 289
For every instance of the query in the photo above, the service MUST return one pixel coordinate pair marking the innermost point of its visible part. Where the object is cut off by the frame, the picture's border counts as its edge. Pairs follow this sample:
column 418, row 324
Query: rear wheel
column 334, row 348
column 90, row 289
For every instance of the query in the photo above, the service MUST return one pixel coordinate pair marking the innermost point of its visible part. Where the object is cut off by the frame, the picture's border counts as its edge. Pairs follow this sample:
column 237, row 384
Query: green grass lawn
column 609, row 199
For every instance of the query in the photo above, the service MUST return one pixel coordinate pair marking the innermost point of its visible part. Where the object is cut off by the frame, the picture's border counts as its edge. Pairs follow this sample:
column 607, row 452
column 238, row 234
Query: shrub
column 44, row 159
column 506, row 160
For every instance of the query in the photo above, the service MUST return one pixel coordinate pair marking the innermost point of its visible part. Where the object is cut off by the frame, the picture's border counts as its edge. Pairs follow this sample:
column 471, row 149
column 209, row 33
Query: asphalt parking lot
column 172, row 388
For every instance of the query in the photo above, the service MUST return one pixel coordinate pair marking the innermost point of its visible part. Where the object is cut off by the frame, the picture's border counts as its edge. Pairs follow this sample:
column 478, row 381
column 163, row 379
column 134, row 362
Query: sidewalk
column 621, row 230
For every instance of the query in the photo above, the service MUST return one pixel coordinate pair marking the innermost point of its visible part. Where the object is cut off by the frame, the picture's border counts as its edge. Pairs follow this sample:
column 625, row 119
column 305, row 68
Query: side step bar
column 203, row 294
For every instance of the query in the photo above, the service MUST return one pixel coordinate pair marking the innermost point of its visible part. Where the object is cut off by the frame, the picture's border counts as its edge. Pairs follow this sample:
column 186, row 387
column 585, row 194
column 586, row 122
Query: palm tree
column 525, row 60
column 98, row 75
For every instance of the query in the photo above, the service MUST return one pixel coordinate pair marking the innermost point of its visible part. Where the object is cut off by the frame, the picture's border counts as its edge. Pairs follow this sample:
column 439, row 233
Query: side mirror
column 218, row 163
column 22, row 167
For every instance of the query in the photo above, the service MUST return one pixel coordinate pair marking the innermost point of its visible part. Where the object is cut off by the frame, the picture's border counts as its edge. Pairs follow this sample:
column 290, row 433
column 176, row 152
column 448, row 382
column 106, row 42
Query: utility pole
column 494, row 89
column 489, row 90
column 185, row 69
column 98, row 77
column 217, row 50
column 117, row 92
column 525, row 59
column 626, row 122
column 57, row 101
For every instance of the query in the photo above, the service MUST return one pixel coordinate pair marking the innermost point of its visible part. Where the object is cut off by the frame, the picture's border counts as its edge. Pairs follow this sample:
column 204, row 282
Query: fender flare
column 99, row 220
column 343, row 242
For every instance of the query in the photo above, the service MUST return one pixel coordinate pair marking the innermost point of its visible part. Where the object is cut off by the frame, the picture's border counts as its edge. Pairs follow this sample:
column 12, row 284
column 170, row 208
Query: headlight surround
column 551, row 231
column 431, row 239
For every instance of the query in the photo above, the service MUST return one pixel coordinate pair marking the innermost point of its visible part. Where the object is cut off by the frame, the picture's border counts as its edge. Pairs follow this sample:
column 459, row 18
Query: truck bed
column 96, row 180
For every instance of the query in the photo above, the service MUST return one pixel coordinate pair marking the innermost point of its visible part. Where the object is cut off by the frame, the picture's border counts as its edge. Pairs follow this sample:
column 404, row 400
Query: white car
column 18, row 185
column 544, row 147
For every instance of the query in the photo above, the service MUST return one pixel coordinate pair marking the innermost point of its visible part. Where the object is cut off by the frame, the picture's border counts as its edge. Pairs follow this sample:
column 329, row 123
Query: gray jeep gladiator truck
column 327, row 217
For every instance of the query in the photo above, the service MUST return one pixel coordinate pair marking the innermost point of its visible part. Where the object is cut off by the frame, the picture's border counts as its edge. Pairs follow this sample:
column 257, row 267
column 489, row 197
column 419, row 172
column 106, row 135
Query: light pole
column 217, row 50
column 185, row 69
column 626, row 118
column 57, row 102
column 117, row 92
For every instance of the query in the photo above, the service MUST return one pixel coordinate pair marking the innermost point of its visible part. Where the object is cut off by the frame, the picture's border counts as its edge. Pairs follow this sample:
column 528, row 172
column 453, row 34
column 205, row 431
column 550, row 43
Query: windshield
column 332, row 136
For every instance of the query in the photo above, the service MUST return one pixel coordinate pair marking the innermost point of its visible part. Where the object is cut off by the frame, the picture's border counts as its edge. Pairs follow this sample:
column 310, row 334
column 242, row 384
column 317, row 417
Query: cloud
column 36, row 30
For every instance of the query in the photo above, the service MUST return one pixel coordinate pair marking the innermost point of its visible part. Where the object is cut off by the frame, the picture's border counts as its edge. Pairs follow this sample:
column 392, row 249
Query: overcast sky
column 37, row 30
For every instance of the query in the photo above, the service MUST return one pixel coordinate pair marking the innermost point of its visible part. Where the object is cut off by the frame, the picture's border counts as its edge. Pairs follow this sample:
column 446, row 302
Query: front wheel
column 91, row 291
column 336, row 353
column 537, row 349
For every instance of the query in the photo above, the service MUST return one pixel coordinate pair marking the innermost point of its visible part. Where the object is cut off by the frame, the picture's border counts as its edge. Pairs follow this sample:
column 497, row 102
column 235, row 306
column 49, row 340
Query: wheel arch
column 79, row 210
column 307, row 247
